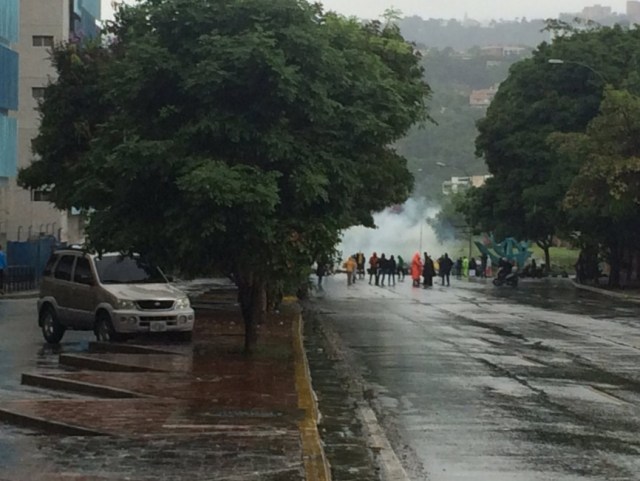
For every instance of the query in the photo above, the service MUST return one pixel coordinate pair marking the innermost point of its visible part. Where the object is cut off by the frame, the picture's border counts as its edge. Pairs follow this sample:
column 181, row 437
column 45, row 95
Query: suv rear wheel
column 104, row 329
column 52, row 330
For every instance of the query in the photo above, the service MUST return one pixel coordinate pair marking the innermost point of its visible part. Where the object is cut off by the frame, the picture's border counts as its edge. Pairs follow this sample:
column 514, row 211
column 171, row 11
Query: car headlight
column 125, row 304
column 183, row 303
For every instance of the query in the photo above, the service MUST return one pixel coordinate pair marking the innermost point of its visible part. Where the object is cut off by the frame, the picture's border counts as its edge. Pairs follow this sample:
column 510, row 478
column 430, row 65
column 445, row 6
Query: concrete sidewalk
column 156, row 410
column 632, row 295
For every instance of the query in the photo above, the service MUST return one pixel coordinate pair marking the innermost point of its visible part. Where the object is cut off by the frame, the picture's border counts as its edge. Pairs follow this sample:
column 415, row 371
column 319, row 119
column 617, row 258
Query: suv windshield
column 117, row 269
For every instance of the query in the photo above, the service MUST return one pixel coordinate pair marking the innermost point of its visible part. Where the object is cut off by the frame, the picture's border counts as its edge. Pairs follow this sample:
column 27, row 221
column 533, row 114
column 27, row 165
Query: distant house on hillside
column 501, row 51
column 460, row 184
column 515, row 51
column 482, row 98
column 494, row 51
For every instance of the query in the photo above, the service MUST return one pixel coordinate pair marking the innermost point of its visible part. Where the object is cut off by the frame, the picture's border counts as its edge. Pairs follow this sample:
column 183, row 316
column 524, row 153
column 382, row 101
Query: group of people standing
column 381, row 268
column 422, row 269
column 426, row 269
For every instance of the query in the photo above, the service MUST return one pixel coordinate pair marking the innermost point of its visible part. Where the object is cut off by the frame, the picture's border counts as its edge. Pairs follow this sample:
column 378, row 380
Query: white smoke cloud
column 402, row 231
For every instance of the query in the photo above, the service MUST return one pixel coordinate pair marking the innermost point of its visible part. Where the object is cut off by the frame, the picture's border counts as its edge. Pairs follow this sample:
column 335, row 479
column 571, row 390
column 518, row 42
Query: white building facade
column 43, row 24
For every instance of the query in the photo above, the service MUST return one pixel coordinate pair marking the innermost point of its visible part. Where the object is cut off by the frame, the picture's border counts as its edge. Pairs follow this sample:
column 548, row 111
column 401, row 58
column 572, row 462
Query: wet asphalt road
column 23, row 349
column 476, row 383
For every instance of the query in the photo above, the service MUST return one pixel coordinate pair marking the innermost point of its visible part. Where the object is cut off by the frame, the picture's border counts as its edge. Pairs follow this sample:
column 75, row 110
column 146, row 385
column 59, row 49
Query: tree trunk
column 615, row 265
column 545, row 245
column 252, row 298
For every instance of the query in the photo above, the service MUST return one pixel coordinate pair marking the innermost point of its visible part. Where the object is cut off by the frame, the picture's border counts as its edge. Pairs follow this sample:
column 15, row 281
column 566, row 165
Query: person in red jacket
column 416, row 269
column 373, row 268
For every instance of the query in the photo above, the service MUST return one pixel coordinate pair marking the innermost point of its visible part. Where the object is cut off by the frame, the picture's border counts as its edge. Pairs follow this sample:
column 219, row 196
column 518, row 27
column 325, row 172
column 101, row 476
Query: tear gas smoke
column 400, row 231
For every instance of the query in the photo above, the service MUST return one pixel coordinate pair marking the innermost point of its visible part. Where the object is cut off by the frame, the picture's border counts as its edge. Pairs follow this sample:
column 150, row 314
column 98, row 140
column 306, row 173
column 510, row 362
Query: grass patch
column 561, row 257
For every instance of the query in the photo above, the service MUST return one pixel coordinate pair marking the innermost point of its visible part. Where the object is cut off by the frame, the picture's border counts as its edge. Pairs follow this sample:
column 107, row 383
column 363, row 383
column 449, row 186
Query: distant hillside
column 438, row 152
column 440, row 33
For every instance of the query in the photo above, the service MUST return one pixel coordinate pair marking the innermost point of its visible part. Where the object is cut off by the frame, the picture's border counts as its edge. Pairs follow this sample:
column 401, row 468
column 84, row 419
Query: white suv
column 113, row 295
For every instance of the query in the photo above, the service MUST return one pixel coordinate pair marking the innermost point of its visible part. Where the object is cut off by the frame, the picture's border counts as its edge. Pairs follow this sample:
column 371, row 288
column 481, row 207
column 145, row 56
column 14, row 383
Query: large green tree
column 525, row 197
column 233, row 135
column 603, row 200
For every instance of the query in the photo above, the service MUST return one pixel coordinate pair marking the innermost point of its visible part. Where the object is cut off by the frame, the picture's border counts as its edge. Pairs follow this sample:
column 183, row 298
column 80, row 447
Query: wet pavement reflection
column 481, row 383
column 22, row 347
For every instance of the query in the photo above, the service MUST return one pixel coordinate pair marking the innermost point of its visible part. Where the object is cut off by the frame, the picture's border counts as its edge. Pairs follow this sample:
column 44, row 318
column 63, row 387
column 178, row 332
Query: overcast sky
column 478, row 9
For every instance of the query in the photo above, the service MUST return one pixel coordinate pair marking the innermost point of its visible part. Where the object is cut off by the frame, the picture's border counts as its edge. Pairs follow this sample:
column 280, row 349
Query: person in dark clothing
column 321, row 271
column 382, row 270
column 459, row 268
column 428, row 271
column 391, row 270
column 446, row 264
column 401, row 267
column 504, row 268
column 473, row 266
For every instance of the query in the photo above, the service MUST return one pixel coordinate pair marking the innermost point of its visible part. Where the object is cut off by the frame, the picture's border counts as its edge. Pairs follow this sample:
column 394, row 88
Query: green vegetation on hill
column 447, row 148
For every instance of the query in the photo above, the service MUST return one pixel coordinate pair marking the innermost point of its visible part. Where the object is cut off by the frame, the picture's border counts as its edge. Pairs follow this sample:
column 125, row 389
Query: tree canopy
column 525, row 197
column 240, row 136
column 603, row 200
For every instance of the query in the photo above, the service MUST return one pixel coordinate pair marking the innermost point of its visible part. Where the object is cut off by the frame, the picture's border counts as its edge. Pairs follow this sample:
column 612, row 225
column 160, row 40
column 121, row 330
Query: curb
column 86, row 362
column 20, row 295
column 107, row 347
column 604, row 292
column 79, row 387
column 316, row 465
column 41, row 424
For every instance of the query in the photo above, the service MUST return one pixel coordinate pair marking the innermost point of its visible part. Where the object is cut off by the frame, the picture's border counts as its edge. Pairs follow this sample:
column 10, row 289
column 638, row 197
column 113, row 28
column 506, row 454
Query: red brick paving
column 242, row 410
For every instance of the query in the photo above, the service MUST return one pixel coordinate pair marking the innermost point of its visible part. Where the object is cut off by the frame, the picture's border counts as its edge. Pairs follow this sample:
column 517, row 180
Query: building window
column 43, row 41
column 37, row 93
column 41, row 195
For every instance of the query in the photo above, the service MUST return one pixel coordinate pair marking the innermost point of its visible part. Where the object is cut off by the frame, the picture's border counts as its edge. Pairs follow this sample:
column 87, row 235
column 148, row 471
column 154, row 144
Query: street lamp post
column 467, row 229
column 559, row 61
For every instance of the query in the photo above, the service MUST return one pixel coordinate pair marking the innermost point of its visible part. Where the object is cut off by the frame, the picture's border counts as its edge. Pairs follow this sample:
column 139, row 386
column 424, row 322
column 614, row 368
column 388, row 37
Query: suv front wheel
column 52, row 330
column 104, row 329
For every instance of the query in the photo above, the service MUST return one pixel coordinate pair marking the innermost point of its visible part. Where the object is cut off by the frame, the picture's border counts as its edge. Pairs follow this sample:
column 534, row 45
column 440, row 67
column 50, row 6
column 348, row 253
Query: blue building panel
column 8, row 79
column 88, row 25
column 87, row 14
column 92, row 7
column 8, row 146
column 9, row 21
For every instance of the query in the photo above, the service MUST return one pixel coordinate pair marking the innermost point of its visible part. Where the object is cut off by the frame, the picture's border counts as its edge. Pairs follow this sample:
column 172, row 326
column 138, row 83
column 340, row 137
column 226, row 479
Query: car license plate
column 158, row 326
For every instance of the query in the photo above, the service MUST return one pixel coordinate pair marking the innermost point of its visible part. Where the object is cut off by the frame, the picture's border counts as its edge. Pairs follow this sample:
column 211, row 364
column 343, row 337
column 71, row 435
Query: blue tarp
column 33, row 253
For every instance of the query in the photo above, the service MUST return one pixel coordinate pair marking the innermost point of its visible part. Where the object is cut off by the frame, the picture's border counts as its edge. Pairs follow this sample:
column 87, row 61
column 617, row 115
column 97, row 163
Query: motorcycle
column 510, row 279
